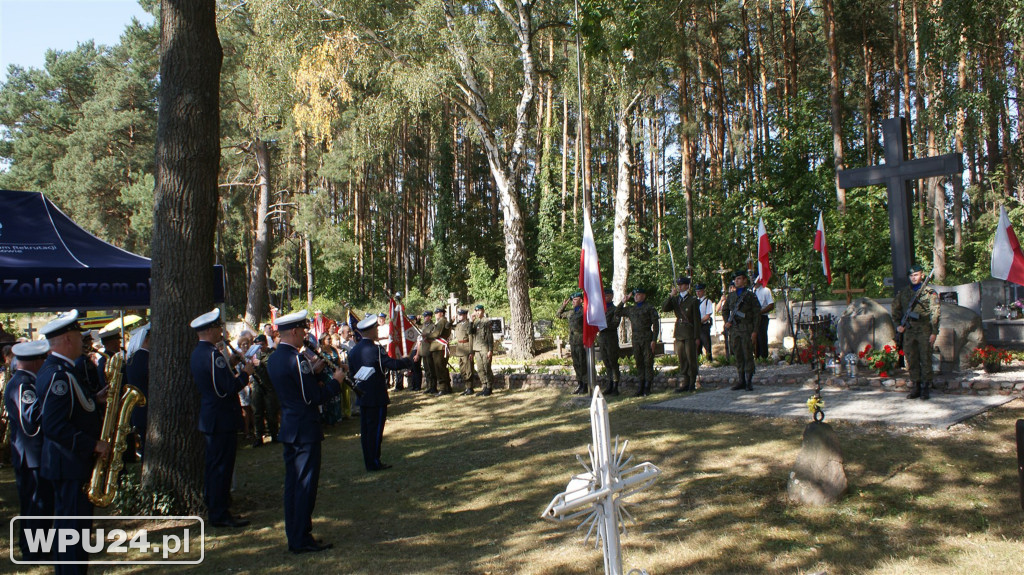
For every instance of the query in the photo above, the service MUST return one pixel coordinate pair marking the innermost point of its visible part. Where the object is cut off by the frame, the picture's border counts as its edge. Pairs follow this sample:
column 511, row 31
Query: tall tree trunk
column 623, row 193
column 686, row 153
column 255, row 302
column 835, row 97
column 184, row 219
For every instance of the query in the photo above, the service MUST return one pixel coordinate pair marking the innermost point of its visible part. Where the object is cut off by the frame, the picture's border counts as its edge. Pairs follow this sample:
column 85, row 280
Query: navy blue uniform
column 90, row 376
column 137, row 375
column 220, row 418
column 373, row 404
column 34, row 492
column 71, row 421
column 300, row 395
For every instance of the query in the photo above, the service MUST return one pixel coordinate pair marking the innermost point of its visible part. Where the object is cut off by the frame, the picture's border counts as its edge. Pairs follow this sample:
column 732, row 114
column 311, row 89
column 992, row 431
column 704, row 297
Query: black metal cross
column 896, row 174
column 30, row 330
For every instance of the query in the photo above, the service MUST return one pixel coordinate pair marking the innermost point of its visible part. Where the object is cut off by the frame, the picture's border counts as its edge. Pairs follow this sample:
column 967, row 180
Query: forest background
column 440, row 147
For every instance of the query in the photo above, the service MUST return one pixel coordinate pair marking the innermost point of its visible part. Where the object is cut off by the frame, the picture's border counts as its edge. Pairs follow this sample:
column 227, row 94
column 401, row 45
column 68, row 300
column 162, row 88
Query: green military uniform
column 265, row 406
column 427, row 337
column 608, row 339
column 687, row 333
column 646, row 326
column 576, row 349
column 438, row 353
column 917, row 347
column 742, row 312
column 463, row 346
column 483, row 347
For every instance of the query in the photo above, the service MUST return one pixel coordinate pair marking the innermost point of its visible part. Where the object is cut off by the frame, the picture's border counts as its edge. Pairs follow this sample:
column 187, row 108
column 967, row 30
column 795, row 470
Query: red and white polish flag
column 764, row 268
column 1007, row 257
column 593, row 290
column 821, row 246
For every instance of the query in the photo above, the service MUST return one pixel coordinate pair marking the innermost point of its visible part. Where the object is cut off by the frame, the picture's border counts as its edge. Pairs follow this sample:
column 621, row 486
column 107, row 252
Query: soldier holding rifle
column 918, row 307
column 742, row 313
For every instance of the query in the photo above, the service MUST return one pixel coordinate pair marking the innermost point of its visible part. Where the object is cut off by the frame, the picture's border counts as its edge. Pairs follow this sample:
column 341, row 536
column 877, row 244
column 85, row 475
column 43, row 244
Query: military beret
column 609, row 290
column 577, row 294
column 683, row 281
column 479, row 306
column 698, row 287
column 207, row 320
column 916, row 268
column 292, row 320
column 439, row 310
column 740, row 273
column 463, row 312
column 428, row 313
column 31, row 350
column 640, row 290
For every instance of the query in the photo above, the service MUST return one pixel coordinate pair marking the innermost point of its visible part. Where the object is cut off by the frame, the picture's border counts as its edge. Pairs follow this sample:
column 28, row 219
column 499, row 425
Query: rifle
column 734, row 311
column 910, row 314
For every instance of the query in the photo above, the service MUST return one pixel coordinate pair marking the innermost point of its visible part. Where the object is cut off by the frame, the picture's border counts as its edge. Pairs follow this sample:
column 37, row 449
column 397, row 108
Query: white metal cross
column 599, row 492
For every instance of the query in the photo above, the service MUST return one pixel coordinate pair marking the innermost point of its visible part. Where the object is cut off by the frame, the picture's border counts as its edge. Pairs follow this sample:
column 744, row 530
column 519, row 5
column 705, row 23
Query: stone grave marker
column 818, row 478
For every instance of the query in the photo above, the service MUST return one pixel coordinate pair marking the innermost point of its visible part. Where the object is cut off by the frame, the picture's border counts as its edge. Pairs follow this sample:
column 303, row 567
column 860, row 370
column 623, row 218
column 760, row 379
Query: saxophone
column 105, row 473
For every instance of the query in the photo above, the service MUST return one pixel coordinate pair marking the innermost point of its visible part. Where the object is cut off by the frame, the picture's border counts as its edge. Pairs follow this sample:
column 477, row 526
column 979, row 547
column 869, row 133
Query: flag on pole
column 590, row 282
column 1007, row 257
column 400, row 328
column 821, row 246
column 352, row 322
column 764, row 269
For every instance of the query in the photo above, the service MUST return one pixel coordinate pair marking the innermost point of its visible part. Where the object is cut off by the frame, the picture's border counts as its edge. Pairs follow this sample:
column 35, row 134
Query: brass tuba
column 116, row 425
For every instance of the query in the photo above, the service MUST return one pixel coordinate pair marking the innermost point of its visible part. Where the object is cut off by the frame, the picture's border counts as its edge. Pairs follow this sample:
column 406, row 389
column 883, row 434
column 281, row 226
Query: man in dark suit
column 34, row 492
column 220, row 415
column 367, row 364
column 71, row 419
column 300, row 394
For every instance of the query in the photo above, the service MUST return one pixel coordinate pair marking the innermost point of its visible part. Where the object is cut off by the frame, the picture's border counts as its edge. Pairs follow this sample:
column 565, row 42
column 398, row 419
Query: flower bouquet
column 881, row 360
column 990, row 357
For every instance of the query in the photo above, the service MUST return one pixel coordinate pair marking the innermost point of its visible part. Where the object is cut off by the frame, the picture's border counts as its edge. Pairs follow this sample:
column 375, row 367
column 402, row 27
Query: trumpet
column 102, row 487
column 314, row 349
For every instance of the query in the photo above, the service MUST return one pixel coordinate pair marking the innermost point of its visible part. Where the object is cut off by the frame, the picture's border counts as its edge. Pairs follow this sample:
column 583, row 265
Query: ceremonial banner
column 1007, row 257
column 821, row 246
column 400, row 325
column 764, row 269
column 590, row 282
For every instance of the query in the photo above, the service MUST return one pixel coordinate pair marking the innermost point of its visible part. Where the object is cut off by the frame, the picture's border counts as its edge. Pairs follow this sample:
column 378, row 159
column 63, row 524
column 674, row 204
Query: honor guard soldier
column 920, row 331
column 301, row 394
column 646, row 326
column 439, row 351
column 220, row 415
column 706, row 310
column 72, row 417
column 265, row 407
column 137, row 375
column 608, row 339
column 464, row 349
column 427, row 338
column 483, row 347
column 742, row 313
column 367, row 363
column 576, row 349
column 687, row 331
column 35, row 494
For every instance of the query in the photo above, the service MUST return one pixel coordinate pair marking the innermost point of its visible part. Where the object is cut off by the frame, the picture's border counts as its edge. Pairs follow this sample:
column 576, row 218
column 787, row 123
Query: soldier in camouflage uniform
column 682, row 302
column 579, row 353
column 919, row 334
column 646, row 325
column 265, row 406
column 426, row 338
column 442, row 330
column 483, row 347
column 464, row 349
column 742, row 313
column 608, row 339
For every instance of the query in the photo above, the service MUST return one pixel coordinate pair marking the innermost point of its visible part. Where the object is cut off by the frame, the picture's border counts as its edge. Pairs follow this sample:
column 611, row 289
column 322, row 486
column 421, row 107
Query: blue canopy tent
column 49, row 263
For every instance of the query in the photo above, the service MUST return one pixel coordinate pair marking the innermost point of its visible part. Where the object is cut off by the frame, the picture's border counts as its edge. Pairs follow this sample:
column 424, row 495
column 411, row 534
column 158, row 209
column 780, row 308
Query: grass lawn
column 472, row 475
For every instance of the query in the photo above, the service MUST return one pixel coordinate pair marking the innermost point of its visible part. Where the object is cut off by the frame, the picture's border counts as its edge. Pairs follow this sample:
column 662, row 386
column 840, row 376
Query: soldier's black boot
column 647, row 387
column 469, row 391
column 640, row 388
column 741, row 384
column 916, row 393
column 581, row 389
column 926, row 390
column 750, row 382
column 486, row 391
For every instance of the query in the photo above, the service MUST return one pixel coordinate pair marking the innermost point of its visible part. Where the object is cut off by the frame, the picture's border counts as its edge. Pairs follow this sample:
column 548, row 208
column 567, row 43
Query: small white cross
column 599, row 493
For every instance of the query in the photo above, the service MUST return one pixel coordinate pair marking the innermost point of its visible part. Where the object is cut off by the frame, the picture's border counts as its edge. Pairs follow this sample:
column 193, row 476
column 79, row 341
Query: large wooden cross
column 849, row 291
column 896, row 174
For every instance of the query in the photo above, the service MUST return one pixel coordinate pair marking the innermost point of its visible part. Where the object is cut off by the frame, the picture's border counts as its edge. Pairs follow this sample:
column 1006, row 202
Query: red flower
column 861, row 354
column 901, row 353
column 888, row 349
column 867, row 348
column 883, row 374
column 879, row 364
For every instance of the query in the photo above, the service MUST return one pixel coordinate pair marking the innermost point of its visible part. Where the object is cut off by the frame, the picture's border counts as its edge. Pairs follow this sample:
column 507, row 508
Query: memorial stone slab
column 964, row 333
column 864, row 322
column 818, row 478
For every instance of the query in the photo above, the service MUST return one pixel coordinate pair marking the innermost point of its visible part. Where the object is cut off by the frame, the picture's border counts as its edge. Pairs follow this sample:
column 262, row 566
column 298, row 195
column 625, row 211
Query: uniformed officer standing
column 742, row 313
column 220, row 415
column 367, row 363
column 439, row 353
column 919, row 334
column 301, row 395
column 34, row 493
column 71, row 420
column 608, row 339
column 706, row 309
column 265, row 407
column 687, row 331
column 646, row 327
column 483, row 348
column 427, row 337
column 576, row 349
column 464, row 349
column 137, row 375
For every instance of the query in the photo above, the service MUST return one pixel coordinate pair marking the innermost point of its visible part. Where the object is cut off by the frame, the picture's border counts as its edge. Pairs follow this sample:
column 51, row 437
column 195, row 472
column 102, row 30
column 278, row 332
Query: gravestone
column 818, row 477
column 960, row 331
column 864, row 322
column 896, row 174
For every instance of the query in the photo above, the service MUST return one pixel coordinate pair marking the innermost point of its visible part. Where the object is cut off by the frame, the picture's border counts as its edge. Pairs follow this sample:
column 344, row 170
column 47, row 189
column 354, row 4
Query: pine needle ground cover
column 472, row 475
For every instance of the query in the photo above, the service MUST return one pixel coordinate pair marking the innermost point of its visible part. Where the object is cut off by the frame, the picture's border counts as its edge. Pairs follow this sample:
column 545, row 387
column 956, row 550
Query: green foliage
column 485, row 285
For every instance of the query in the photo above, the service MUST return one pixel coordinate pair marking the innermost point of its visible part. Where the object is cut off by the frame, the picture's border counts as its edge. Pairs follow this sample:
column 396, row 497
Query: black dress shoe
column 231, row 522
column 311, row 548
column 382, row 467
